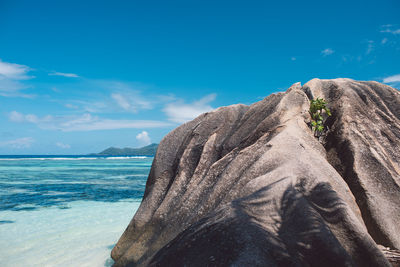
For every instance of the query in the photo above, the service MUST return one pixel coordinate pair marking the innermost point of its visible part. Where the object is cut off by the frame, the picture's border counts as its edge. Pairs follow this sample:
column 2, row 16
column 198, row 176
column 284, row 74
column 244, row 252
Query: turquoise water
column 66, row 210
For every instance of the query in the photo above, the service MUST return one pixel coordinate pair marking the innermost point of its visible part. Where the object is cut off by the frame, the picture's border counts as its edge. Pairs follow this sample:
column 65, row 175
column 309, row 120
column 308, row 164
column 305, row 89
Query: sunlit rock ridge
column 252, row 185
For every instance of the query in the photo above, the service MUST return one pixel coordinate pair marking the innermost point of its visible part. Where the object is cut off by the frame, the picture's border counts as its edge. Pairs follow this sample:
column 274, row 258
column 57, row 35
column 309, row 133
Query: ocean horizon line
column 71, row 157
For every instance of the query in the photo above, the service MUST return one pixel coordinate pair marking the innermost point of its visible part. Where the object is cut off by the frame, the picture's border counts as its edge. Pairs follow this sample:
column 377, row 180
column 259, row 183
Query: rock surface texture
column 252, row 186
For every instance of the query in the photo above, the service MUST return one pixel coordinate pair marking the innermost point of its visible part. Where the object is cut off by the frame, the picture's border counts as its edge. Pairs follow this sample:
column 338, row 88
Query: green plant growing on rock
column 317, row 110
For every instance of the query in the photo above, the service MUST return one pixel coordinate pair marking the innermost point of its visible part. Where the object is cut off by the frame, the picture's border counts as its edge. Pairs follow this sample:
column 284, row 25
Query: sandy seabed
column 81, row 235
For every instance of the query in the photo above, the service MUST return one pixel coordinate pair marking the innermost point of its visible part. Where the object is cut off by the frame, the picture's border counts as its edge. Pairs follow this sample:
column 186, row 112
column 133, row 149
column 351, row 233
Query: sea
column 67, row 210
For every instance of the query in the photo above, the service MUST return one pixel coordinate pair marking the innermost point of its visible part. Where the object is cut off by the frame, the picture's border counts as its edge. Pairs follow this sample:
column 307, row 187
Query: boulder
column 252, row 185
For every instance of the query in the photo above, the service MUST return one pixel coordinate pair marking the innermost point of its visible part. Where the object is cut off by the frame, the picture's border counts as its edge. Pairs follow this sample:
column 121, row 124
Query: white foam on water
column 17, row 159
column 82, row 235
column 56, row 193
column 76, row 158
column 130, row 157
column 9, row 191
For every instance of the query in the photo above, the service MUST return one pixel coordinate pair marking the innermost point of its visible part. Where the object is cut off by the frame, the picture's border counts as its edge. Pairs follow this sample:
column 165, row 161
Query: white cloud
column 69, row 75
column 71, row 106
column 397, row 31
column 11, row 75
column 143, row 138
column 121, row 101
column 14, row 71
column 389, row 29
column 31, row 118
column 106, row 124
column 16, row 116
column 113, row 97
column 181, row 112
column 392, row 79
column 62, row 145
column 327, row 52
column 384, row 40
column 370, row 47
column 94, row 106
column 85, row 122
column 19, row 143
column 130, row 100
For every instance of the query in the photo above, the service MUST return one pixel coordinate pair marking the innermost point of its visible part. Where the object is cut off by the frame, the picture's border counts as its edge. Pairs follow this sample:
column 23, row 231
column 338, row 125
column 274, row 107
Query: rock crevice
column 362, row 148
column 252, row 186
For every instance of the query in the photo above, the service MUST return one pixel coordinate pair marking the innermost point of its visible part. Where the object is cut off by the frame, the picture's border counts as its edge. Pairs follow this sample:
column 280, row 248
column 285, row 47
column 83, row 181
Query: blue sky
column 79, row 76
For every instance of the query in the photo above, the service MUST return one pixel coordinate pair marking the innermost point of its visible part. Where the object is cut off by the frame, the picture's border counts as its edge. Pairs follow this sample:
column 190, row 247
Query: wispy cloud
column 14, row 71
column 397, row 31
column 389, row 29
column 93, row 106
column 370, row 47
column 392, row 79
column 327, row 52
column 19, row 143
column 11, row 79
column 69, row 75
column 71, row 106
column 16, row 116
column 63, row 146
column 132, row 101
column 181, row 112
column 85, row 122
column 127, row 97
column 121, row 101
column 112, row 97
column 143, row 138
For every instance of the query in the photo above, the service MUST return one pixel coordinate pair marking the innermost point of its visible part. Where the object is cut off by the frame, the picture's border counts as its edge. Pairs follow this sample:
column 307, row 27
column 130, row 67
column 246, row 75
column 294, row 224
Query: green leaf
column 328, row 111
column 317, row 107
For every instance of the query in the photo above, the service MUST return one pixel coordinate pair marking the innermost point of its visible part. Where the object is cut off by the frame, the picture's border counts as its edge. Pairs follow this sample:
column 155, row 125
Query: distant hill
column 149, row 150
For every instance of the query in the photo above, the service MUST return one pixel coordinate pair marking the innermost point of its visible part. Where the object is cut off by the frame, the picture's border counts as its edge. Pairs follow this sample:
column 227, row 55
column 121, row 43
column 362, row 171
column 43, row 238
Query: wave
column 127, row 157
column 77, row 158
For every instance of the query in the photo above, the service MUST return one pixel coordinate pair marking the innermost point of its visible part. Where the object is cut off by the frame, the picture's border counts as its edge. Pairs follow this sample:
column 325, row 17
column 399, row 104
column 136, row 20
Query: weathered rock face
column 252, row 186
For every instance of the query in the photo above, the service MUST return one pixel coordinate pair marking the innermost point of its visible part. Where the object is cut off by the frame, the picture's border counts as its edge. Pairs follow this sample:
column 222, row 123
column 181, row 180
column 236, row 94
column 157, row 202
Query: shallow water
column 67, row 212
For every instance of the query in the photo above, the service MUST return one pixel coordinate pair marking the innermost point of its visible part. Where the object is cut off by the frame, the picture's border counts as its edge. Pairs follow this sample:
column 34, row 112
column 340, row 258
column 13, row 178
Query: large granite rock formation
column 252, row 186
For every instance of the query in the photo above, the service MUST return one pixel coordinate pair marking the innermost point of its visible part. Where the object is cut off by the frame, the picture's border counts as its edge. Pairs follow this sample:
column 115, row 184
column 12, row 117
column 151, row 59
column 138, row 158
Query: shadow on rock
column 261, row 230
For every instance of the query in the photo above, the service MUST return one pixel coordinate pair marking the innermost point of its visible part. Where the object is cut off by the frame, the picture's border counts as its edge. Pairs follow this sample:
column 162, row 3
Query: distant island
column 149, row 150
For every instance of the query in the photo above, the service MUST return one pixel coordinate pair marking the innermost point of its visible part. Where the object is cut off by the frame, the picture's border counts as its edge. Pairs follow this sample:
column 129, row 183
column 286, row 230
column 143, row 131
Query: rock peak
column 252, row 186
